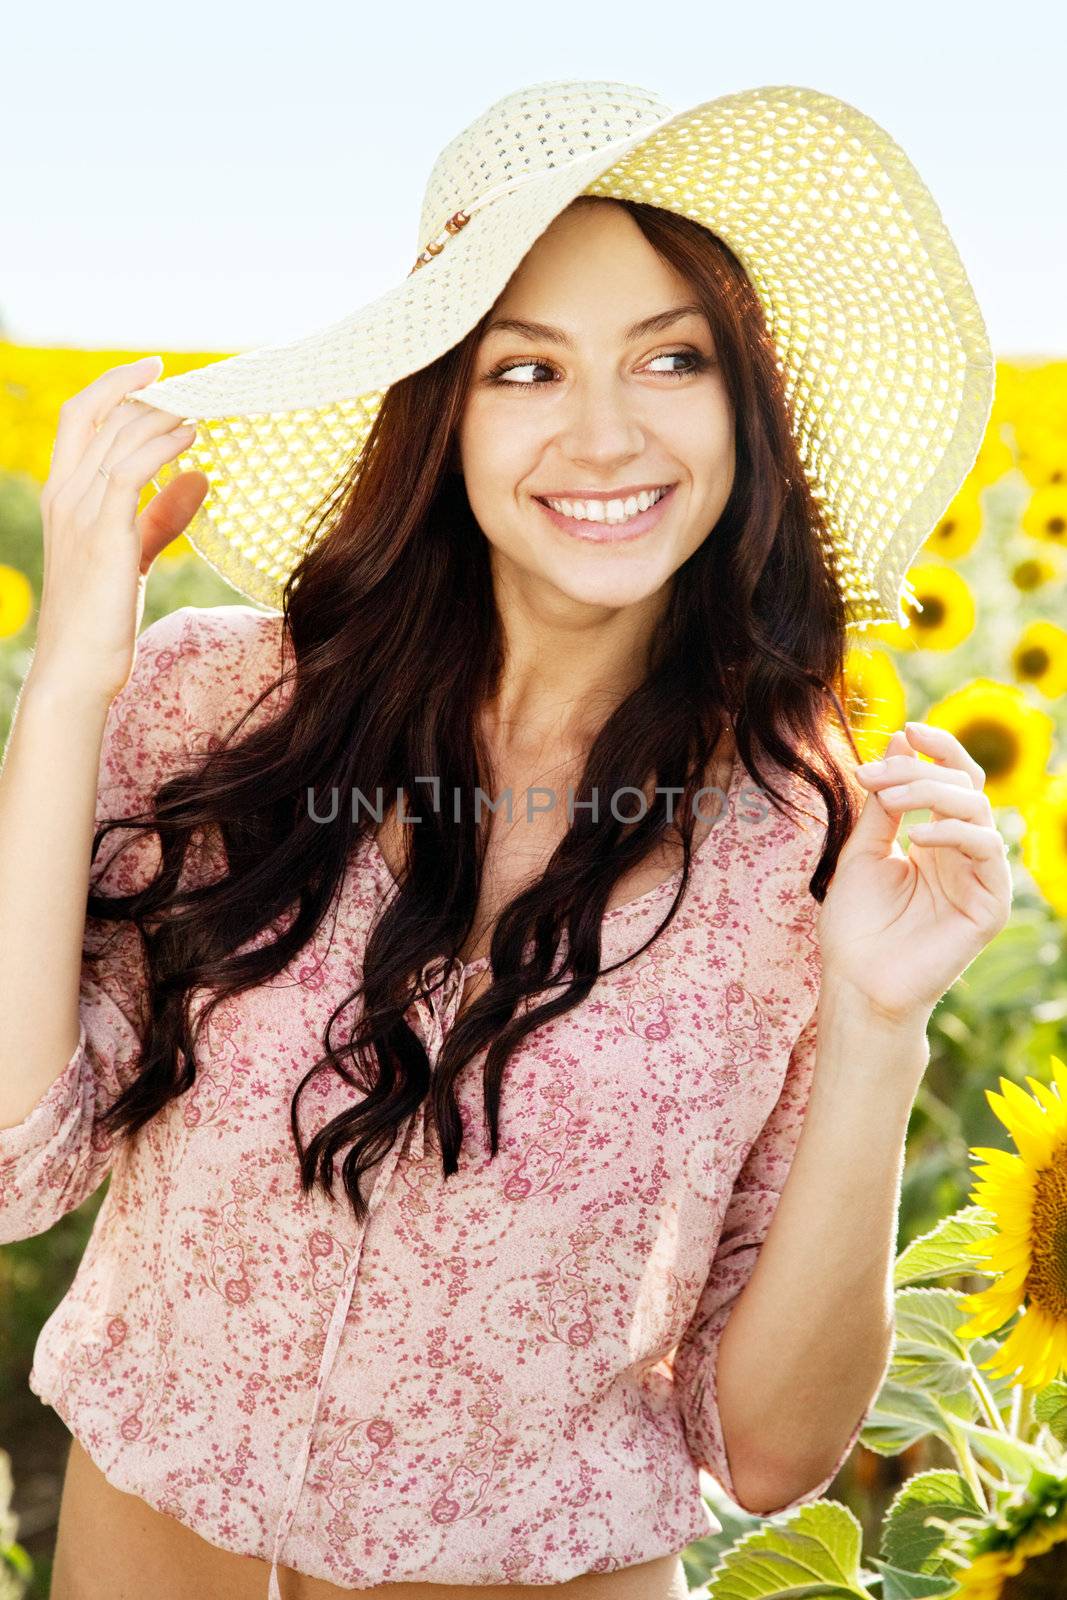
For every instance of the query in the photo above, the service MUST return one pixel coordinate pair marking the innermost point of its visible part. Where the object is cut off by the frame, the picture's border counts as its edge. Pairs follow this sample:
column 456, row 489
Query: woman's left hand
column 898, row 927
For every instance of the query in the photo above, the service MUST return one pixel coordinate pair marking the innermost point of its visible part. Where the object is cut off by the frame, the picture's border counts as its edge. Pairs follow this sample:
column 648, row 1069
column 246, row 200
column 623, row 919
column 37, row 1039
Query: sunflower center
column 1046, row 1282
column 1027, row 574
column 1032, row 662
column 1040, row 1579
column 993, row 746
column 932, row 613
column 1056, row 527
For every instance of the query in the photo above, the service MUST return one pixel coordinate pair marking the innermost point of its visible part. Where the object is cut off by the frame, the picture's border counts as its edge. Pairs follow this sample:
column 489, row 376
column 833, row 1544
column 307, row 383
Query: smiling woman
column 524, row 656
column 576, row 558
column 629, row 403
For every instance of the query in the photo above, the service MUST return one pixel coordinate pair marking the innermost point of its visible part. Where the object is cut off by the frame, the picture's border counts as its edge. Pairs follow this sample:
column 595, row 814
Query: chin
column 610, row 590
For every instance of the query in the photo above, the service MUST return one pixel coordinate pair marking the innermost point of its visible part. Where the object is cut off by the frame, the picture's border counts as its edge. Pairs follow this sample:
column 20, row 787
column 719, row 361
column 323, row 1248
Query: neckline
column 657, row 891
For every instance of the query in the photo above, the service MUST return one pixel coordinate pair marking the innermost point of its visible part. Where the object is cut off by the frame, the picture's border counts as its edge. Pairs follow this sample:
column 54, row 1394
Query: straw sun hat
column 884, row 351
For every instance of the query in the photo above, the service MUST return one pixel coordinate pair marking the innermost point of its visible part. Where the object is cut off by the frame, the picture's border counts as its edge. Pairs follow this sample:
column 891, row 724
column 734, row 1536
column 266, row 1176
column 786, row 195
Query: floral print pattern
column 505, row 1377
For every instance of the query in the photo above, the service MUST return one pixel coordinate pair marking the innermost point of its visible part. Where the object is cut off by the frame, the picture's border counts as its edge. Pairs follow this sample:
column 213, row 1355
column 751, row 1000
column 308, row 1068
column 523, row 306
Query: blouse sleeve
column 749, row 1214
column 58, row 1155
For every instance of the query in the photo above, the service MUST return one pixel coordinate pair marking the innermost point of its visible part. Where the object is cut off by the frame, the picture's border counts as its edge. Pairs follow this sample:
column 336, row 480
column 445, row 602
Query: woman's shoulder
column 228, row 655
column 225, row 636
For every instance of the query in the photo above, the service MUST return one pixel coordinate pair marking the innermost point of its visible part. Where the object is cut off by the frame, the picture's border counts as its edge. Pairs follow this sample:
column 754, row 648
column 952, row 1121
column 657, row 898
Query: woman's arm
column 807, row 1345
column 47, row 792
column 71, row 1022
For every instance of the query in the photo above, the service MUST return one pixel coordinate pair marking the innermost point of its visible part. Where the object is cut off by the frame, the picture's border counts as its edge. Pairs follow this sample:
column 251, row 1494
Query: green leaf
column 1003, row 972
column 901, row 1415
column 897, row 1585
column 1011, row 1455
column 1050, row 1409
column 941, row 1253
column 928, row 1354
column 907, row 1540
column 813, row 1550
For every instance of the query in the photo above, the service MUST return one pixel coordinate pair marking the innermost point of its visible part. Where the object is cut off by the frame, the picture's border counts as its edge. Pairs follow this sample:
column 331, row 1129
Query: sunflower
column 892, row 634
column 1033, row 572
column 1040, row 658
column 1045, row 516
column 1042, row 456
column 960, row 526
column 16, row 601
column 1030, row 1566
column 874, row 699
column 947, row 614
column 995, row 457
column 1044, row 843
column 1009, row 738
column 1027, row 1194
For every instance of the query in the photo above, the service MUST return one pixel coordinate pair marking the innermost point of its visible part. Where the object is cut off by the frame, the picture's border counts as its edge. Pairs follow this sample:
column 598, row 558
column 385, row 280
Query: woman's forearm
column 48, row 787
column 807, row 1343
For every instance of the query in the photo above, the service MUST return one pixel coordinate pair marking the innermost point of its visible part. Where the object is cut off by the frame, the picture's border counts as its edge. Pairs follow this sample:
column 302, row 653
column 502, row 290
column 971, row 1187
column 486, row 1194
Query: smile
column 608, row 521
column 612, row 512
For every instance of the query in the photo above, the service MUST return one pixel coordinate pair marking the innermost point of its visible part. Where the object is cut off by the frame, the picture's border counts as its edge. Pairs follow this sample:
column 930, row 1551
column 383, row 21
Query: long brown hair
column 397, row 644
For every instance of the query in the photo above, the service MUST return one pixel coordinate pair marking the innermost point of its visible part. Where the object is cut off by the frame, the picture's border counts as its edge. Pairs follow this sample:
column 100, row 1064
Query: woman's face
column 572, row 400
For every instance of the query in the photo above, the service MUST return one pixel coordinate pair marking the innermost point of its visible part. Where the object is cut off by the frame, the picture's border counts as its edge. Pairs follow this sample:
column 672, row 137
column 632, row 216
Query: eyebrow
column 543, row 331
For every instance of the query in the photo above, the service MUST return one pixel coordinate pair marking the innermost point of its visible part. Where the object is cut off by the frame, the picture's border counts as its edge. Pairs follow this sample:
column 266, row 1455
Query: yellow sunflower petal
column 998, row 1158
column 1033, row 1145
column 1022, row 1105
column 1052, row 1103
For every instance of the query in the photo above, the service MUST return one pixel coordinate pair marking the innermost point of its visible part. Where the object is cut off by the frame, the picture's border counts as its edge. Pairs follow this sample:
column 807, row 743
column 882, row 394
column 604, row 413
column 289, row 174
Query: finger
column 84, row 411
column 893, row 769
column 169, row 513
column 876, row 829
column 122, row 490
column 122, row 435
column 985, row 848
column 947, row 799
column 944, row 748
column 972, row 839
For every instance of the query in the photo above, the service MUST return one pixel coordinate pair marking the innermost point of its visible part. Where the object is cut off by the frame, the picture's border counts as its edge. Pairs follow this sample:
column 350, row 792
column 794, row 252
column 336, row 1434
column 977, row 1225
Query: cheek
column 703, row 437
column 498, row 449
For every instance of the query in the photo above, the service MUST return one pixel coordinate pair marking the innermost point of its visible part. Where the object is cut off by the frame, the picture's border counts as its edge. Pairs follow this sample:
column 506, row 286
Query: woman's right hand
column 97, row 549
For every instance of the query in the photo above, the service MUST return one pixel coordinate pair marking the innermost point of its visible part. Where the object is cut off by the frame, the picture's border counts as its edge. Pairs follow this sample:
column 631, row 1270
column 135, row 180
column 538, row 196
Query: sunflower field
column 958, row 1485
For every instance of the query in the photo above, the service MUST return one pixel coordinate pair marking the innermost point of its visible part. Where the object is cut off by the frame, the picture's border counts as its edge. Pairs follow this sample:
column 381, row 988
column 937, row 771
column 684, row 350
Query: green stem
column 986, row 1401
column 993, row 1479
column 950, row 1555
column 967, row 1465
column 1016, row 1410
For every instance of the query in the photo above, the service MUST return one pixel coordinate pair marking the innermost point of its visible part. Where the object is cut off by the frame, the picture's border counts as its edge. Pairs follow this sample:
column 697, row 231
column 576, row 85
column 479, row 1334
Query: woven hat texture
column 882, row 345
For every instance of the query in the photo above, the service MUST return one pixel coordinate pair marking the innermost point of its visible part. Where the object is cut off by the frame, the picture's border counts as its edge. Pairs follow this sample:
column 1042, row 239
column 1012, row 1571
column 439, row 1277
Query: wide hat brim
column 883, row 347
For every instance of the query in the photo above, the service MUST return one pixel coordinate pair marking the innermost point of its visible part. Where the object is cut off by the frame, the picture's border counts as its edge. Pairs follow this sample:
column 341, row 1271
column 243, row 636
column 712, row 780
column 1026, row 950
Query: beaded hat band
column 883, row 349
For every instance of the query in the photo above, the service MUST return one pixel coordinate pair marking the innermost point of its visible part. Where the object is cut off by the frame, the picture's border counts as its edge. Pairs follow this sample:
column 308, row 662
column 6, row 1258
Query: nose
column 601, row 429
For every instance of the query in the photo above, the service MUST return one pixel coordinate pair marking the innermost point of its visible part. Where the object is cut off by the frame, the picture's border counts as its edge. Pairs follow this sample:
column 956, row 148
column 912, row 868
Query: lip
column 603, row 494
column 600, row 532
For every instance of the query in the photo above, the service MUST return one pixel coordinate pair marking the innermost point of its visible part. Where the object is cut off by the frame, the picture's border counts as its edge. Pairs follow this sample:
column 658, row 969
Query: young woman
column 580, row 560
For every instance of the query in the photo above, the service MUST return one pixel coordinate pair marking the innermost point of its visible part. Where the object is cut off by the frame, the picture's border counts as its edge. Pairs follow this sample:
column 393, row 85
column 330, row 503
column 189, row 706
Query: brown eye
column 695, row 362
column 503, row 373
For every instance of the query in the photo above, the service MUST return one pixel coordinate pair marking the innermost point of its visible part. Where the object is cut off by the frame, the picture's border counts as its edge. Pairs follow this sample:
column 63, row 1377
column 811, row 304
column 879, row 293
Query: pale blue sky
column 213, row 177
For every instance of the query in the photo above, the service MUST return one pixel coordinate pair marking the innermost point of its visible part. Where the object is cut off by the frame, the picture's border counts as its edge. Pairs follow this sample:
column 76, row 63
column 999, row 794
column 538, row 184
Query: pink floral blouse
column 505, row 1377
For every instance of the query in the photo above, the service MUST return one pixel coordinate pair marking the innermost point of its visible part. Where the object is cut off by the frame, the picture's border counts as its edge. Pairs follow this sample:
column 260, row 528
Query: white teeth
column 609, row 511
